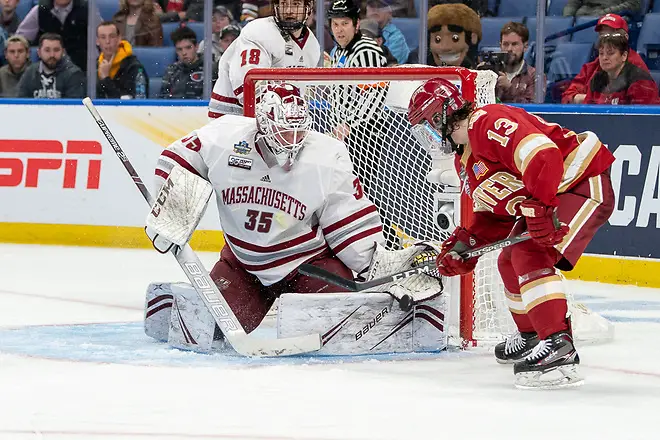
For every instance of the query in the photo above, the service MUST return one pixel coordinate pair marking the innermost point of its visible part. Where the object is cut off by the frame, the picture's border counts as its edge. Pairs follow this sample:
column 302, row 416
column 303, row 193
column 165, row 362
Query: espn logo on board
column 23, row 162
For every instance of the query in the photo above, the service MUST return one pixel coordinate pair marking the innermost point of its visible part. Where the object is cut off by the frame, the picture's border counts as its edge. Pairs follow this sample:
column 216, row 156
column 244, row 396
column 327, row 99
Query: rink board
column 61, row 183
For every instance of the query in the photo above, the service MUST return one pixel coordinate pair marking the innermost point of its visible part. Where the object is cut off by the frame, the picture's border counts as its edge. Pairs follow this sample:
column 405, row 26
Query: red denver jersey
column 513, row 155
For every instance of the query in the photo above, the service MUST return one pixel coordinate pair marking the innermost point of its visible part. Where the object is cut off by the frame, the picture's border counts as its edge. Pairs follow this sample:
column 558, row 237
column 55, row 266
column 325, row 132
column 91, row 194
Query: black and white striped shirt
column 354, row 104
column 360, row 52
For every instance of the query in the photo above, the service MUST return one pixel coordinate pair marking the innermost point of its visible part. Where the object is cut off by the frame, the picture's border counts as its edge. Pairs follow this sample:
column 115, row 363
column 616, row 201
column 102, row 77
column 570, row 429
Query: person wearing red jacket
column 618, row 81
column 577, row 90
column 522, row 174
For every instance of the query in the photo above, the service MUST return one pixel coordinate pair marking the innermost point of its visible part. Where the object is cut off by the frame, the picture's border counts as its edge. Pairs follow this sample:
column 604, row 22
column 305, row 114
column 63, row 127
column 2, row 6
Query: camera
column 444, row 218
column 494, row 61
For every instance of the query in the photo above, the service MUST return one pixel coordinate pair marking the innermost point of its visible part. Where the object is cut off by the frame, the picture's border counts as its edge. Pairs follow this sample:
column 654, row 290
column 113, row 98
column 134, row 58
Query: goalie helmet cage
column 366, row 108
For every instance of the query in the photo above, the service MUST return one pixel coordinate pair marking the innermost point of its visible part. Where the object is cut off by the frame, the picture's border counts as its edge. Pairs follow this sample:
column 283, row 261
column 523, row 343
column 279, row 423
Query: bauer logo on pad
column 240, row 162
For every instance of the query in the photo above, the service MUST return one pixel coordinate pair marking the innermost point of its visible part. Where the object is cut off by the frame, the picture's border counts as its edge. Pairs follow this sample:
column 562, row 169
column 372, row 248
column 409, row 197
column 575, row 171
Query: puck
column 406, row 303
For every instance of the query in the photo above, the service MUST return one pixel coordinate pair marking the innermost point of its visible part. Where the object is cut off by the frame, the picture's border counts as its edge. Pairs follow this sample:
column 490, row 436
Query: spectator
column 120, row 73
column 185, row 78
column 138, row 24
column 249, row 11
column 170, row 10
column 516, row 83
column 600, row 7
column 370, row 29
column 54, row 76
column 607, row 24
column 227, row 36
column 10, row 20
column 222, row 18
column 618, row 81
column 67, row 18
column 16, row 54
column 380, row 11
column 194, row 9
column 328, row 42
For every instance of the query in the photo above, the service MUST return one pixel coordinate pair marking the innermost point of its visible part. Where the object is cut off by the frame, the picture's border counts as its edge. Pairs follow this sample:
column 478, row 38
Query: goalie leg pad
column 191, row 325
column 157, row 310
column 363, row 323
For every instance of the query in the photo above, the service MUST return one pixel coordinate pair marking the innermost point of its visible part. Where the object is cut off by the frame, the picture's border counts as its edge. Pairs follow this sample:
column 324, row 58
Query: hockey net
column 366, row 108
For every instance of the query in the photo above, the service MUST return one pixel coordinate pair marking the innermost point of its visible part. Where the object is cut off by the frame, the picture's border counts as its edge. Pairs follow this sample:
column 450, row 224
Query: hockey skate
column 552, row 364
column 516, row 347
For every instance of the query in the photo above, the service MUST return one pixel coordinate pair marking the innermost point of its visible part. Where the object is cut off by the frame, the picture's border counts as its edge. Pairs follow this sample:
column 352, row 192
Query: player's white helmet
column 290, row 15
column 283, row 121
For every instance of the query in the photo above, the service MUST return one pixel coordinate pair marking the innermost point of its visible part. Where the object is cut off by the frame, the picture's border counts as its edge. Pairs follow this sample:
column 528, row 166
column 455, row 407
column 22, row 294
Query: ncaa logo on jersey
column 242, row 148
column 479, row 169
column 240, row 162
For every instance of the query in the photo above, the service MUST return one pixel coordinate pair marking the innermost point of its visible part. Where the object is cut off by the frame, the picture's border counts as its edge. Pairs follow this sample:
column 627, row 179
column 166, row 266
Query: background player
column 281, row 40
column 516, row 164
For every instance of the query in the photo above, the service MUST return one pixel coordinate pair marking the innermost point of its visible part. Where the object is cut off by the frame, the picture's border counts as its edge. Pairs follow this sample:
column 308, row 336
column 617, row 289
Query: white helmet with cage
column 283, row 122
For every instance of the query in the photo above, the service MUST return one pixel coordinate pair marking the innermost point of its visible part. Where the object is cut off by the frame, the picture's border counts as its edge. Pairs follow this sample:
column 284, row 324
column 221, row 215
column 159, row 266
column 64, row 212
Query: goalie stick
column 201, row 280
column 406, row 301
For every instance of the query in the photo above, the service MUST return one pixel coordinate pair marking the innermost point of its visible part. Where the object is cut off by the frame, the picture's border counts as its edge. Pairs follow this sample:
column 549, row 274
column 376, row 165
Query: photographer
column 516, row 79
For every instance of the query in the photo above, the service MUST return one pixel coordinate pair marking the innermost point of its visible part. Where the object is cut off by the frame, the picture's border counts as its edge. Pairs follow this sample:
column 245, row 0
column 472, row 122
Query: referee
column 357, row 110
column 352, row 50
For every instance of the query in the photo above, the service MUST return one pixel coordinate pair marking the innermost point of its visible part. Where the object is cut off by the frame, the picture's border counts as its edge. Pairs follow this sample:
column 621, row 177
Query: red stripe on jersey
column 311, row 235
column 282, row 261
column 180, row 160
column 351, row 218
column 161, row 173
column 341, row 246
column 215, row 115
column 227, row 99
column 238, row 91
column 303, row 38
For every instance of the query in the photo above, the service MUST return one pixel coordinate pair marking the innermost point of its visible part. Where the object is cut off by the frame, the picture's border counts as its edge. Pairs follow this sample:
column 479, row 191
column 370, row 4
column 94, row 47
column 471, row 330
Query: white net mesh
column 369, row 115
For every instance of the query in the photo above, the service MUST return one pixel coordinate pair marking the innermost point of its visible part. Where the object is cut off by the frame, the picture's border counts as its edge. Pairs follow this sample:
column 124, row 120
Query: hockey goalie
column 524, row 175
column 286, row 195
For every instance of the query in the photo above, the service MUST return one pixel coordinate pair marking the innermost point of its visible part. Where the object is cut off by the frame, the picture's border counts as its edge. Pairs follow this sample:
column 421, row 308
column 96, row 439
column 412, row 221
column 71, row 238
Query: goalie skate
column 552, row 364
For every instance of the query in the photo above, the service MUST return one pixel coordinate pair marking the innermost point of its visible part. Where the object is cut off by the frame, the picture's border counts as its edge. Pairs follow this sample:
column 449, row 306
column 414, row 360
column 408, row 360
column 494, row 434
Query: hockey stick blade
column 207, row 290
column 358, row 286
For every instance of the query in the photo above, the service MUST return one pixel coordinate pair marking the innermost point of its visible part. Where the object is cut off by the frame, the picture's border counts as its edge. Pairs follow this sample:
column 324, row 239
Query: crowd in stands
column 596, row 51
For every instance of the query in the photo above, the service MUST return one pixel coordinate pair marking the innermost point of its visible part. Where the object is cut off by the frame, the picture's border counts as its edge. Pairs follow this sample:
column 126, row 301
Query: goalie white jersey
column 275, row 220
column 261, row 44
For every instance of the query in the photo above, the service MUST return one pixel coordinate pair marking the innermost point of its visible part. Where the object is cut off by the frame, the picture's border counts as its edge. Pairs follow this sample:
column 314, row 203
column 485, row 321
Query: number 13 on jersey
column 508, row 126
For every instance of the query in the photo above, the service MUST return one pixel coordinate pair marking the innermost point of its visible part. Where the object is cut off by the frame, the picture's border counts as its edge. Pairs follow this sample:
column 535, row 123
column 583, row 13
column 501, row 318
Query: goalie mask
column 283, row 122
column 290, row 15
column 430, row 108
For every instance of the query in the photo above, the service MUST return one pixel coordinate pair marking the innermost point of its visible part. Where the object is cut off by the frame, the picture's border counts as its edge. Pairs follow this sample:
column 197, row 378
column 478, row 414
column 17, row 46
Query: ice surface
column 102, row 379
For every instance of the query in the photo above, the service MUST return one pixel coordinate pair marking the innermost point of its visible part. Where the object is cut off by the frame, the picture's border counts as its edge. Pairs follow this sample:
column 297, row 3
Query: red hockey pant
column 250, row 300
column 534, row 290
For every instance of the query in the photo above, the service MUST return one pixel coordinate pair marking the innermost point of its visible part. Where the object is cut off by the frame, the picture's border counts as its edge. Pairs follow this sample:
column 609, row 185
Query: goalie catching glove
column 419, row 287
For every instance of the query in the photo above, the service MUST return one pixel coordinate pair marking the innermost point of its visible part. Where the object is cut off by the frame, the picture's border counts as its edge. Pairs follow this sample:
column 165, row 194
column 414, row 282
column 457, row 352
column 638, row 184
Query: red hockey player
column 522, row 173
